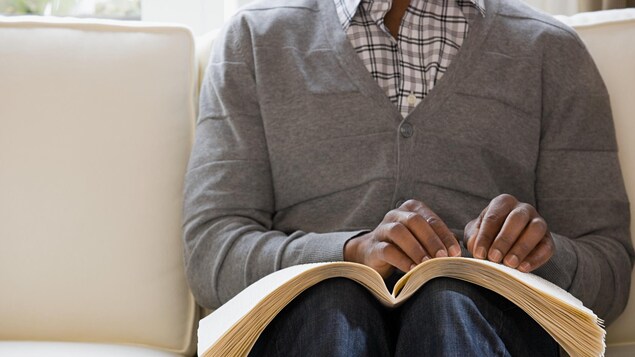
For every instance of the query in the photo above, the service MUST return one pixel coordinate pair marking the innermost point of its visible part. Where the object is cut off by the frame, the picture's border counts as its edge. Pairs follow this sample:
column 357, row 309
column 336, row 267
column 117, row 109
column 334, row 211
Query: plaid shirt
column 431, row 34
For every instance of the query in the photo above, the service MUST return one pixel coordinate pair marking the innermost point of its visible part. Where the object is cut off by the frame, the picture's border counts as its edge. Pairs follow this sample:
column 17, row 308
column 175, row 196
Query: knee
column 449, row 290
column 336, row 317
column 452, row 295
column 444, row 309
column 337, row 305
column 338, row 294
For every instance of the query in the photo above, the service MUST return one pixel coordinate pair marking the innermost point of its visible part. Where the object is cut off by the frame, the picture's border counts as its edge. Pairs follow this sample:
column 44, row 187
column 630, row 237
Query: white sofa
column 610, row 37
column 96, row 122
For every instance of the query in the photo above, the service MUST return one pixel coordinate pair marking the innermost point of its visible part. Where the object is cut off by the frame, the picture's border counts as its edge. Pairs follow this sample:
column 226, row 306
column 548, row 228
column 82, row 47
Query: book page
column 575, row 327
column 235, row 326
column 464, row 267
column 273, row 292
column 545, row 286
column 215, row 325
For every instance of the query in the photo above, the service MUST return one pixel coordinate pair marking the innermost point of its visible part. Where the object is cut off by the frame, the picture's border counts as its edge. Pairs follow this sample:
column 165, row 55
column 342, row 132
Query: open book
column 233, row 329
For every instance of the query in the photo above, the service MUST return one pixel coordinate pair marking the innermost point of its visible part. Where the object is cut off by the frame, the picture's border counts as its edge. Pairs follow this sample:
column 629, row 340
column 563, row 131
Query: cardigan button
column 406, row 130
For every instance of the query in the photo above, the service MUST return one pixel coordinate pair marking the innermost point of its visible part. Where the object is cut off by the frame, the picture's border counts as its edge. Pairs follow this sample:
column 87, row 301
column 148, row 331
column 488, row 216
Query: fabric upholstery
column 609, row 37
column 65, row 349
column 96, row 123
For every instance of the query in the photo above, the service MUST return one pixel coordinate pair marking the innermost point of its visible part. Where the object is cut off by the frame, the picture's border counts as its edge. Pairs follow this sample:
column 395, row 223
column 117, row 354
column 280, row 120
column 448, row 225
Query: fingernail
column 455, row 251
column 441, row 253
column 480, row 253
column 512, row 261
column 425, row 258
column 413, row 266
column 495, row 255
column 524, row 267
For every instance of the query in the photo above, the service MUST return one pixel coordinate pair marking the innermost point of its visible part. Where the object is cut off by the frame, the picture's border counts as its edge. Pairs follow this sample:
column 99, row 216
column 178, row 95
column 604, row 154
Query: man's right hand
column 407, row 236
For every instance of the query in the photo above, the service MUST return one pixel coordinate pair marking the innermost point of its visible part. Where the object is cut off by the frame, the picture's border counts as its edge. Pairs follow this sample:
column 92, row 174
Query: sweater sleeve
column 230, row 238
column 579, row 188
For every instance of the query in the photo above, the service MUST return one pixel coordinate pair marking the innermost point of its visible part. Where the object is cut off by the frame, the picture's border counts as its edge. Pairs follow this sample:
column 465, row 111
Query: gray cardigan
column 298, row 149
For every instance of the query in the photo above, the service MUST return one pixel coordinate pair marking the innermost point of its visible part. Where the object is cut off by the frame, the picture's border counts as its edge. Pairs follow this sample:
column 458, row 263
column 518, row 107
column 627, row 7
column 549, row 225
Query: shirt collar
column 346, row 9
column 478, row 4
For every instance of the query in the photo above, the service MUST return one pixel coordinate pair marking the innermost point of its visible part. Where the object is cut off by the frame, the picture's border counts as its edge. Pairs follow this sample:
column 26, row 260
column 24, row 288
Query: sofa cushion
column 609, row 37
column 96, row 123
column 65, row 349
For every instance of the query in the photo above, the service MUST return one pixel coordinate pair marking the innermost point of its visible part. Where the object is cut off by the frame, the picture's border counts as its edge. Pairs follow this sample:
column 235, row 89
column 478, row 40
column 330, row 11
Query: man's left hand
column 510, row 232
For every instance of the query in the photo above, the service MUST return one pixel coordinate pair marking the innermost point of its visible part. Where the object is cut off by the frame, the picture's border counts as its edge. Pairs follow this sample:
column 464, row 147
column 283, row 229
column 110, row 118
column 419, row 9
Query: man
column 379, row 132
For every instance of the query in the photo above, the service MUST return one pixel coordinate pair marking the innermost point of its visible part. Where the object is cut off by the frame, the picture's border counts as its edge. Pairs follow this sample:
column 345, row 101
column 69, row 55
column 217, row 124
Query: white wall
column 556, row 7
column 200, row 15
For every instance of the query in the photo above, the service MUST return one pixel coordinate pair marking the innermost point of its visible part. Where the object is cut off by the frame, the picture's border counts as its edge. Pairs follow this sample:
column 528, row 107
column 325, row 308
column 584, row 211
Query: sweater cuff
column 562, row 266
column 328, row 249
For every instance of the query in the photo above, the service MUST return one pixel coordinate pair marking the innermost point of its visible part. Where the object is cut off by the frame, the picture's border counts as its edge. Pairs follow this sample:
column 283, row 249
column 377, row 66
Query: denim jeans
column 446, row 317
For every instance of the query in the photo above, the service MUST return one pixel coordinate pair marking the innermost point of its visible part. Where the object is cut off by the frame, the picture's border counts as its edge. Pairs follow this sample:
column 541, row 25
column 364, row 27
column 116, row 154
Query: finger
column 448, row 239
column 491, row 224
column 431, row 231
column 471, row 229
column 421, row 230
column 401, row 236
column 389, row 253
column 513, row 227
column 539, row 256
column 526, row 243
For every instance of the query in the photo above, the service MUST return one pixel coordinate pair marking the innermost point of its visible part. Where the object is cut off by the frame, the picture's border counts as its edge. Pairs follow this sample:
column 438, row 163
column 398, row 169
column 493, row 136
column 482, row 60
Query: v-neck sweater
column 298, row 149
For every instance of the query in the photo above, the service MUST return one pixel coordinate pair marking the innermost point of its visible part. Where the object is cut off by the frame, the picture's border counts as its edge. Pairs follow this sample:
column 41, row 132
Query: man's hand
column 510, row 232
column 406, row 237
